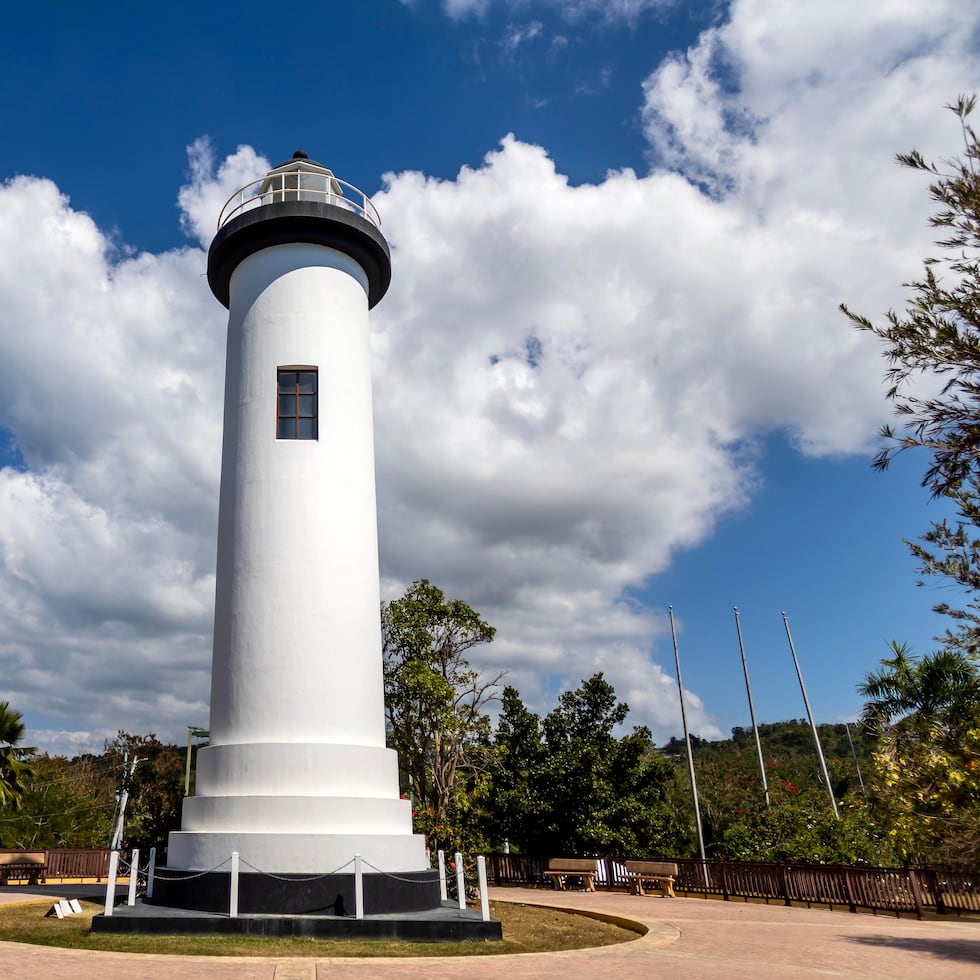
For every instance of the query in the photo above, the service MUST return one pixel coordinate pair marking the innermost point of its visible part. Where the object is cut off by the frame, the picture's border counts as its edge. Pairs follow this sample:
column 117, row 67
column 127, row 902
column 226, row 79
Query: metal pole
column 117, row 835
column 192, row 733
column 755, row 727
column 690, row 755
column 187, row 768
column 809, row 714
column 847, row 728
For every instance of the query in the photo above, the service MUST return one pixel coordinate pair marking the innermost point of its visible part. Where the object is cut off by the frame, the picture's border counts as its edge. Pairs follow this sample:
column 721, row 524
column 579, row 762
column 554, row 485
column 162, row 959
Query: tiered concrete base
column 295, row 894
column 445, row 923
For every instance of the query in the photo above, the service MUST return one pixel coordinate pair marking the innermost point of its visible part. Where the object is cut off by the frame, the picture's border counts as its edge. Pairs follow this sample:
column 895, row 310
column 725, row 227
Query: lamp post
column 192, row 733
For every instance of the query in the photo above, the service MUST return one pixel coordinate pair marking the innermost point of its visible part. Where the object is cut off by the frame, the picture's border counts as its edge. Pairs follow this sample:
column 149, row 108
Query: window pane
column 287, row 428
column 287, row 380
column 307, row 428
column 307, row 405
column 287, row 404
column 307, row 382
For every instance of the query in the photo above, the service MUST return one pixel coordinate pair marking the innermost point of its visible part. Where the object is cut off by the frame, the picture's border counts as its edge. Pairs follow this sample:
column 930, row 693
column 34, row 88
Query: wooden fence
column 897, row 890
column 70, row 862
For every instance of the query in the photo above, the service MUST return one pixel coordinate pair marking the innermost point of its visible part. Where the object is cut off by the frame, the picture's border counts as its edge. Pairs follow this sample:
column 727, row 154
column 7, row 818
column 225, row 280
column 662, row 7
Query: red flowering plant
column 459, row 830
column 799, row 825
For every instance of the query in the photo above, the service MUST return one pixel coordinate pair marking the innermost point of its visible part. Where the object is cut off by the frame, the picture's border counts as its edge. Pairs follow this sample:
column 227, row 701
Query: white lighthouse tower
column 297, row 778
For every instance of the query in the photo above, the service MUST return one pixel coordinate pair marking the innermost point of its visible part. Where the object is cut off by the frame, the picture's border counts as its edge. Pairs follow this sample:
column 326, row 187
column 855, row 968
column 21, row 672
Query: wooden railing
column 70, row 862
column 897, row 890
column 89, row 862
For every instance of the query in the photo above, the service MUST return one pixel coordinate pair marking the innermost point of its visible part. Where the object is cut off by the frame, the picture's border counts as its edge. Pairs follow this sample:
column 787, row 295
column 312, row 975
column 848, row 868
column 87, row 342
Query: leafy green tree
column 921, row 696
column 937, row 340
column 513, row 791
column 15, row 766
column 67, row 803
column 928, row 795
column 799, row 825
column 570, row 786
column 925, row 712
column 156, row 786
column 435, row 707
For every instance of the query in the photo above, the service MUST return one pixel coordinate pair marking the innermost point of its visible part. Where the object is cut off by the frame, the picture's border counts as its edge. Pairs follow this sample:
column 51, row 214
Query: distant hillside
column 730, row 786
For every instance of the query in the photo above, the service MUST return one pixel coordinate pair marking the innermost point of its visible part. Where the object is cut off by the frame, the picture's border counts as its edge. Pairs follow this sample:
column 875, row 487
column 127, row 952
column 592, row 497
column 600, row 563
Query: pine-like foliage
column 937, row 340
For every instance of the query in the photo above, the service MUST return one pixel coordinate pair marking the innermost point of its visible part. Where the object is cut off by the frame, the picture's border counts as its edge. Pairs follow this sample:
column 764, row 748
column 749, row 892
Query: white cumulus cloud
column 570, row 381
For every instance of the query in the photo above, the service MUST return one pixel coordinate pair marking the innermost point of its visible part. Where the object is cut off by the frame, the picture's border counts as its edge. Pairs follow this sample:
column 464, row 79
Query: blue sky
column 665, row 201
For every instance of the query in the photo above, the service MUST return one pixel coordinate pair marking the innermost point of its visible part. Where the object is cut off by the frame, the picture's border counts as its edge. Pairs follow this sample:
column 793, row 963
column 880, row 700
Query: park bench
column 561, row 868
column 26, row 866
column 662, row 873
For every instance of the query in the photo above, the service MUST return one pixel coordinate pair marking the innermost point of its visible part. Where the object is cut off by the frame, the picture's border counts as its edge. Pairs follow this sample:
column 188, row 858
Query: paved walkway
column 688, row 937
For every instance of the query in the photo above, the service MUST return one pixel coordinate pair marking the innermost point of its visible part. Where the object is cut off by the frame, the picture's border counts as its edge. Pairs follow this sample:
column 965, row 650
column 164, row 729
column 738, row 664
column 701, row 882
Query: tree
column 15, row 767
column 156, row 786
column 926, row 714
column 913, row 695
column 67, row 803
column 513, row 793
column 435, row 706
column 937, row 340
column 798, row 825
column 928, row 794
column 568, row 785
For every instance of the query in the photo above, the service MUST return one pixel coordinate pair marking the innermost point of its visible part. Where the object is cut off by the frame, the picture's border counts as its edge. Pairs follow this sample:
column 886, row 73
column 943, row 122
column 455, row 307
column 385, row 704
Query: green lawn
column 526, row 928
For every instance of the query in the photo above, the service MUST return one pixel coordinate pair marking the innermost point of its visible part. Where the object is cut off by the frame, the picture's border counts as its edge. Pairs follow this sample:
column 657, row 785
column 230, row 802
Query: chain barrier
column 470, row 876
column 125, row 869
column 198, row 874
column 269, row 874
column 389, row 874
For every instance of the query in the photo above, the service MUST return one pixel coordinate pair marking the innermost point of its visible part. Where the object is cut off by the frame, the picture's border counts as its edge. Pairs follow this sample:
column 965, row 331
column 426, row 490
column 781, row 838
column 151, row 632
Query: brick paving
column 688, row 937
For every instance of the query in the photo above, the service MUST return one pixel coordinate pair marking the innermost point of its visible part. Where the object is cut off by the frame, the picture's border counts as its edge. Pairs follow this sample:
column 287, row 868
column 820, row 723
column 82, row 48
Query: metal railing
column 299, row 185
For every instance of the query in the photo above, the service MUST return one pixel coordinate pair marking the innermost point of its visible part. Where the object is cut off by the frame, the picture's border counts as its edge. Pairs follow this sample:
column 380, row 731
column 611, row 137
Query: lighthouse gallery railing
column 313, row 186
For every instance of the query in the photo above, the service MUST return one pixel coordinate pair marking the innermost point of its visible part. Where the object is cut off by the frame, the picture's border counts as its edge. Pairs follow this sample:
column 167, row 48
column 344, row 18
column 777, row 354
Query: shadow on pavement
column 967, row 950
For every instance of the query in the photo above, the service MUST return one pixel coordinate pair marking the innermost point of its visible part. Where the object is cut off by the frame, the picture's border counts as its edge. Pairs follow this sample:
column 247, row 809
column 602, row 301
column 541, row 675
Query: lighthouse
column 297, row 779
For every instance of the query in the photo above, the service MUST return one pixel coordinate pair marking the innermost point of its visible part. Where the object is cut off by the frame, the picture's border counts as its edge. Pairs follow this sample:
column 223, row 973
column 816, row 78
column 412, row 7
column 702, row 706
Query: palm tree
column 15, row 770
column 910, row 693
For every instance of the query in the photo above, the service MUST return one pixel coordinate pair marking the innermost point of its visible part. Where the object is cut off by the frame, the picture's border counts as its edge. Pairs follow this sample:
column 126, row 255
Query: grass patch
column 527, row 929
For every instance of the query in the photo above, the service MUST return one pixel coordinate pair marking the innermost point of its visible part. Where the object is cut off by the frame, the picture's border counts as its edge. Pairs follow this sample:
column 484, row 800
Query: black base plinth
column 296, row 894
column 446, row 923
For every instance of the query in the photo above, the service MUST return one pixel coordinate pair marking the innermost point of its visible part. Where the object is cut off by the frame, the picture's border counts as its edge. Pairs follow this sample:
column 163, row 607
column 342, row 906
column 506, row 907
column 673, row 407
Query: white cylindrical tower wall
column 297, row 651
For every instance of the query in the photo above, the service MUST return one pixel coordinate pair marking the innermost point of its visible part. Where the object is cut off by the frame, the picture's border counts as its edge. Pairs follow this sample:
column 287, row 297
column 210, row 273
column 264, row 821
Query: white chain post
column 358, row 887
column 134, row 874
column 110, row 888
column 443, row 893
column 151, row 872
column 460, row 882
column 481, row 871
column 233, row 897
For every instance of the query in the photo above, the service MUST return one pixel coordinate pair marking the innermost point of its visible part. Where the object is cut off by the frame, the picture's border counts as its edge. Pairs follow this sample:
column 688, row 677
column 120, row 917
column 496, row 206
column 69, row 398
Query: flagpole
column 690, row 754
column 748, row 691
column 857, row 766
column 809, row 714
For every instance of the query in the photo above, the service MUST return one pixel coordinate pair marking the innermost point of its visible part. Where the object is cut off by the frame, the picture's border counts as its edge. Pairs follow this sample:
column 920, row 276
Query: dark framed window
column 297, row 404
